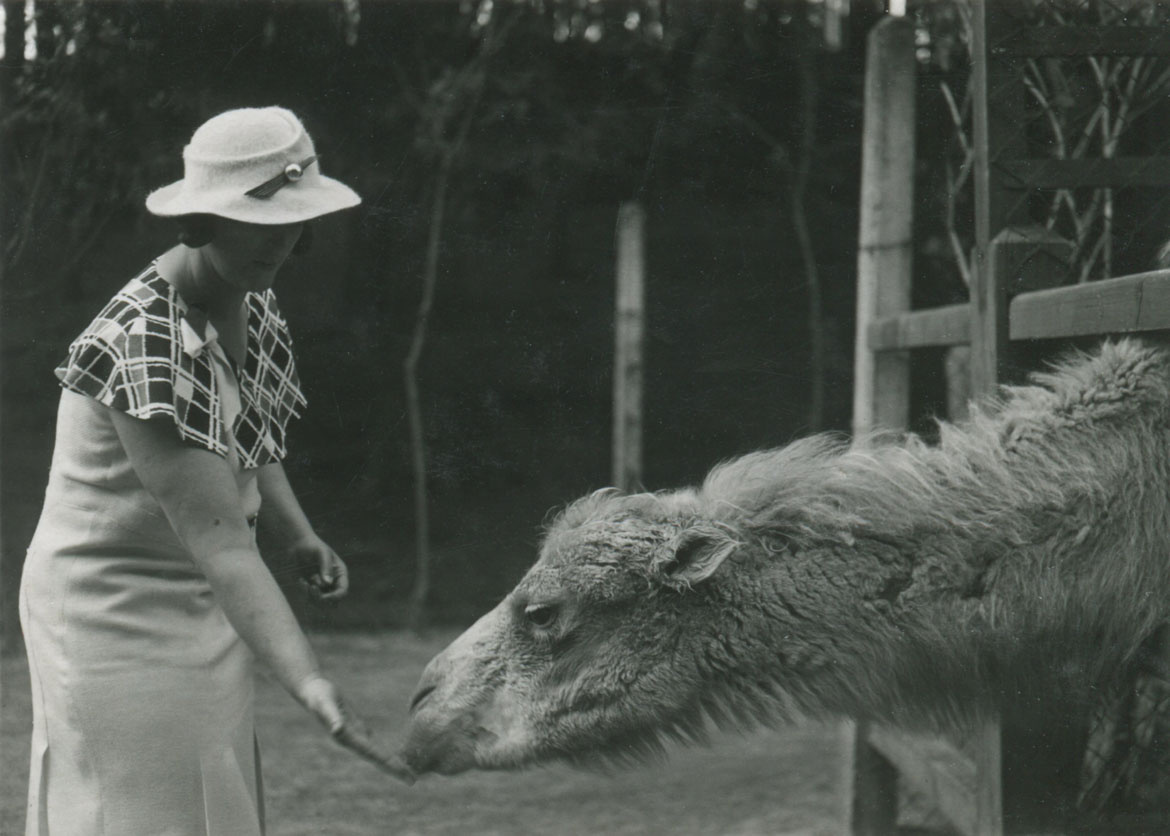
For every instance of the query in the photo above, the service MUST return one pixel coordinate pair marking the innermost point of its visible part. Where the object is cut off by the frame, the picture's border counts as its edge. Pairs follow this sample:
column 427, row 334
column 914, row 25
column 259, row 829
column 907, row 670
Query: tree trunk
column 629, row 330
column 13, row 46
column 10, row 70
column 418, row 446
column 416, row 606
column 809, row 95
column 48, row 40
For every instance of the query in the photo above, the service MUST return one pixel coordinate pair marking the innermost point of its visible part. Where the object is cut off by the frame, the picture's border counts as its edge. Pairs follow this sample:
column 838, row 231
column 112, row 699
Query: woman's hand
column 281, row 515
column 320, row 696
column 322, row 571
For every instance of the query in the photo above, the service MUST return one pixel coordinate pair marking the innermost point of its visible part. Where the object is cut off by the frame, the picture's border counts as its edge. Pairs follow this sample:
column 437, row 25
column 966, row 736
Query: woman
column 144, row 598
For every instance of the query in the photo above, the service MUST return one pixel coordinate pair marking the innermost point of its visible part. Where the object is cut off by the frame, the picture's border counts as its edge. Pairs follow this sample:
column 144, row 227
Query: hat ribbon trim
column 291, row 174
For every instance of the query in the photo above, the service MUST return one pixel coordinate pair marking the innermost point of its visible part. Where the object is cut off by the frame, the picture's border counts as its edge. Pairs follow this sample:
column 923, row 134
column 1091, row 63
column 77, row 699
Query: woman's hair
column 196, row 230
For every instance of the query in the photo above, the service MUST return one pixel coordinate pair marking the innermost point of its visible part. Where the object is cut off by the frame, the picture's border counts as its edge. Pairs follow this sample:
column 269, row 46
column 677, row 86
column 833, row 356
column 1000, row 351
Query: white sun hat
column 256, row 165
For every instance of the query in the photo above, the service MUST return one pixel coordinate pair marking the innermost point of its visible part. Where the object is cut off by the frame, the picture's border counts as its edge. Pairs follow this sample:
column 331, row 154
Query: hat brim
column 295, row 203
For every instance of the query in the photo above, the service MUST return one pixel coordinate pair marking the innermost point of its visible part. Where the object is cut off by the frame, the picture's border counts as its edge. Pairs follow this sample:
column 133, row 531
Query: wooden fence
column 1016, row 294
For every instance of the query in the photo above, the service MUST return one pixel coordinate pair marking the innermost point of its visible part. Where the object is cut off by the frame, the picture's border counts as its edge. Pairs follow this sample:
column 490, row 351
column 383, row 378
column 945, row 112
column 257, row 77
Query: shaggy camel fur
column 1015, row 567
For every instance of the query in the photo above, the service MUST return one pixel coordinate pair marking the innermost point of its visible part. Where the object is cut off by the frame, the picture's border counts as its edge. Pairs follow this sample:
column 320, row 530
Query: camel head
column 1013, row 566
column 588, row 654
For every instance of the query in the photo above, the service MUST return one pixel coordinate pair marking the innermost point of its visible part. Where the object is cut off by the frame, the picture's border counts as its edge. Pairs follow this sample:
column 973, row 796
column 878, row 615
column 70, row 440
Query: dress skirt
column 142, row 690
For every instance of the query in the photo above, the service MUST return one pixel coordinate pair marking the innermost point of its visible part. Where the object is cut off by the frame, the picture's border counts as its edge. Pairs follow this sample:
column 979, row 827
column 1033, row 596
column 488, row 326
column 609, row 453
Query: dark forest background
column 736, row 126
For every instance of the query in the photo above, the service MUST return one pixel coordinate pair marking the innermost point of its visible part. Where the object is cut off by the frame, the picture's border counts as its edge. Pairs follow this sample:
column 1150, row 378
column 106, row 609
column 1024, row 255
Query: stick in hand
column 350, row 733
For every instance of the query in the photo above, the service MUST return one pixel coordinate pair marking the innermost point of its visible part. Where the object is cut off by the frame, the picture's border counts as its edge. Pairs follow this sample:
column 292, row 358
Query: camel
column 1016, row 568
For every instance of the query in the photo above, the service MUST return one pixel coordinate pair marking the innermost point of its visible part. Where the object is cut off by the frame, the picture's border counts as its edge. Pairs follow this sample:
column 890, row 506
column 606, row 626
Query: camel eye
column 542, row 616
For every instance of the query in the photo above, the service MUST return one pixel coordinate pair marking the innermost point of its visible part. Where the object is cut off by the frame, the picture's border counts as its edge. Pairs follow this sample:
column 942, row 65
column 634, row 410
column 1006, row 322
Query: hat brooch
column 291, row 174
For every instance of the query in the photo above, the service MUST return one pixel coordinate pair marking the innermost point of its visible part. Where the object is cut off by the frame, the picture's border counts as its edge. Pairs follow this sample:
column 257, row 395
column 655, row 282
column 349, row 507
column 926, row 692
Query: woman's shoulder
column 145, row 304
column 146, row 295
column 264, row 303
column 268, row 328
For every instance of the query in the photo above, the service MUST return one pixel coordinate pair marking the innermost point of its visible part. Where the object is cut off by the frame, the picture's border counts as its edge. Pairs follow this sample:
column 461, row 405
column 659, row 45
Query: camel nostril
column 420, row 696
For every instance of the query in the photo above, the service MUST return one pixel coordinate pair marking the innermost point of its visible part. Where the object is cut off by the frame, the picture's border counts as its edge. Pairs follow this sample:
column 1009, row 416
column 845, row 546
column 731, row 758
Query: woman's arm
column 282, row 512
column 198, row 493
column 281, row 515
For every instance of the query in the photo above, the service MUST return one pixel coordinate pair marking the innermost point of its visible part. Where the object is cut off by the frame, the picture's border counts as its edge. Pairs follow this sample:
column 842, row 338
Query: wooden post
column 1004, row 259
column 628, row 338
column 1020, row 259
column 957, row 371
column 836, row 13
column 869, row 784
column 881, row 394
column 881, row 383
column 988, row 801
column 998, row 127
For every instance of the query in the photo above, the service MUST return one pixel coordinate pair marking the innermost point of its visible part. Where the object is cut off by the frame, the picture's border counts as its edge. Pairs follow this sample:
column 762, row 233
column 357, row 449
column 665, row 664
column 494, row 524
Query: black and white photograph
column 573, row 417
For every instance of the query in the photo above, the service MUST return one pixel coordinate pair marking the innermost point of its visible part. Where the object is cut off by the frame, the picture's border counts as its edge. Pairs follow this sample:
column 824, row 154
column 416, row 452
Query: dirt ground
column 771, row 782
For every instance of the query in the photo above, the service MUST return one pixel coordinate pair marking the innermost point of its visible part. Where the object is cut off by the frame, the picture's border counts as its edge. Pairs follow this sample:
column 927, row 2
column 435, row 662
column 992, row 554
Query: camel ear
column 695, row 554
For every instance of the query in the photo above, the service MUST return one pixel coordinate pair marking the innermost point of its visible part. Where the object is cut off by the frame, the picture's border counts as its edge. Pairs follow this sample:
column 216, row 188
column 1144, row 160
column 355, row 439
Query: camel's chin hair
column 723, row 710
column 507, row 761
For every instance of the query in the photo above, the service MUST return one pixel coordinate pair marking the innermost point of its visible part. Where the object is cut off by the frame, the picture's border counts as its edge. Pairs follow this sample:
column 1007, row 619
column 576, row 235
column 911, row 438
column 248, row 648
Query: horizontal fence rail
column 948, row 325
column 1127, row 304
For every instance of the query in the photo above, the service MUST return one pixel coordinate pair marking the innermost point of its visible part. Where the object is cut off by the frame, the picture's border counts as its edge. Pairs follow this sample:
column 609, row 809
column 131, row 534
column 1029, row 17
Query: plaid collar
column 145, row 354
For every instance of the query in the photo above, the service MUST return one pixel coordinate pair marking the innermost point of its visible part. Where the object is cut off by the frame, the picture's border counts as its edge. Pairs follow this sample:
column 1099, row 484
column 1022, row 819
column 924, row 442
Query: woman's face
column 247, row 256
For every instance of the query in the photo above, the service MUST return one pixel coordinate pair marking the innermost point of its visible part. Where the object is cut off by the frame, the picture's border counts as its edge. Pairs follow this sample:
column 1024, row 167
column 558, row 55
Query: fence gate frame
column 1012, row 258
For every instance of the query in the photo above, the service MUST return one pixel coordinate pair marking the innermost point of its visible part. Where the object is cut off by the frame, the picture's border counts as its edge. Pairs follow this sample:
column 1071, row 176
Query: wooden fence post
column 869, row 784
column 881, row 387
column 986, row 752
column 957, row 372
column 1020, row 259
column 629, row 326
column 881, row 394
column 998, row 126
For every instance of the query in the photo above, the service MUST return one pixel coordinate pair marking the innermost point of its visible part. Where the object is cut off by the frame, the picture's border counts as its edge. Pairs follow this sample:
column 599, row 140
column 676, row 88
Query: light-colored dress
column 142, row 690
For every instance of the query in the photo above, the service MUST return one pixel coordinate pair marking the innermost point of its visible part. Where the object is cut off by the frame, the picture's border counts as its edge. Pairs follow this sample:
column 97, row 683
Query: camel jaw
column 463, row 715
column 433, row 749
column 438, row 745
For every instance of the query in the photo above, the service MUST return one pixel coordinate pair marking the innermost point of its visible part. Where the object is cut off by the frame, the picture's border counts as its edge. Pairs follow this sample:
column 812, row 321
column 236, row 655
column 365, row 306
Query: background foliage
column 691, row 113
column 737, row 125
